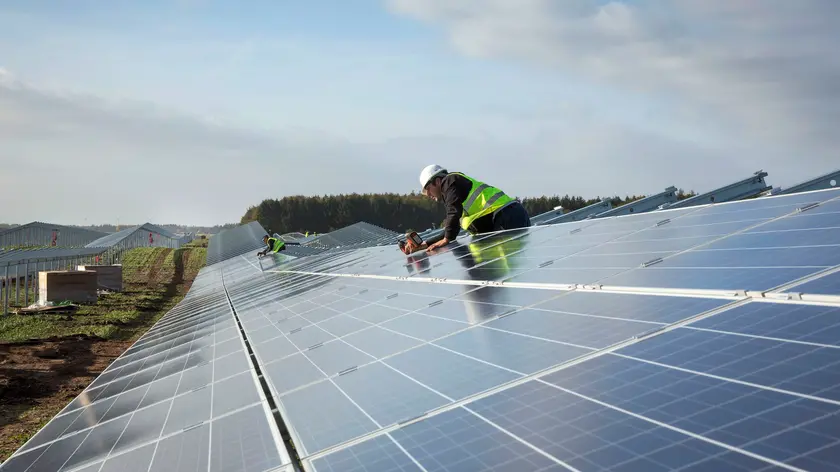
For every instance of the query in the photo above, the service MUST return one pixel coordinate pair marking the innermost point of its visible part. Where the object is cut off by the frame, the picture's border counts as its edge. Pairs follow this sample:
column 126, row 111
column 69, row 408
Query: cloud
column 78, row 156
column 766, row 74
column 614, row 97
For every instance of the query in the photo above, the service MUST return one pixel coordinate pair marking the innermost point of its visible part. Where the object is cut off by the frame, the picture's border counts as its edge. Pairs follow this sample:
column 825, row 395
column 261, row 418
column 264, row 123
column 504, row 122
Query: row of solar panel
column 770, row 250
column 393, row 377
column 184, row 396
column 822, row 250
column 234, row 242
column 349, row 359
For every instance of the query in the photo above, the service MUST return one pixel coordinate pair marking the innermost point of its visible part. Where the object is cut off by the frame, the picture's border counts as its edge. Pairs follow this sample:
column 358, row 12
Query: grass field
column 46, row 360
column 151, row 281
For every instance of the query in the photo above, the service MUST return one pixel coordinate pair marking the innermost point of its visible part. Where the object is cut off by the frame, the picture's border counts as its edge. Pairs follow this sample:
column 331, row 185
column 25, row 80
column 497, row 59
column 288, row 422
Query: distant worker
column 478, row 207
column 274, row 245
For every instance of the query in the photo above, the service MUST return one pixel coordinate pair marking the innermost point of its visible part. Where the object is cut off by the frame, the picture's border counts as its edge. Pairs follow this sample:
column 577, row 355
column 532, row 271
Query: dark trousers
column 513, row 216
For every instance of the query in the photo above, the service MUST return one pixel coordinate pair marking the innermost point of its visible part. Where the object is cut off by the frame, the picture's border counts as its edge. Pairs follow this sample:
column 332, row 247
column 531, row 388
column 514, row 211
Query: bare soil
column 39, row 378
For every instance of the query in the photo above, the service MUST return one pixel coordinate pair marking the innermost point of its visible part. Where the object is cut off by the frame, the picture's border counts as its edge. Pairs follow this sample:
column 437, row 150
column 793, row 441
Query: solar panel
column 825, row 285
column 656, row 341
column 182, row 397
column 235, row 242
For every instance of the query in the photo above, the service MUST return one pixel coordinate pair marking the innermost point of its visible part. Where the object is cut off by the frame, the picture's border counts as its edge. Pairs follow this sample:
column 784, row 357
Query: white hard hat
column 430, row 172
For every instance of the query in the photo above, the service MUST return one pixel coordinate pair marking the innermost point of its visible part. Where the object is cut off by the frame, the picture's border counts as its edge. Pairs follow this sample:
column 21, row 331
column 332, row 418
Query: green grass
column 124, row 315
column 137, row 263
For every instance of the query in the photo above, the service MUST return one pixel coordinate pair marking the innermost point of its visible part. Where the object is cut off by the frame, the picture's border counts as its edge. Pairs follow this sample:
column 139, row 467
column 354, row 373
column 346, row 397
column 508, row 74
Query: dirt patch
column 39, row 378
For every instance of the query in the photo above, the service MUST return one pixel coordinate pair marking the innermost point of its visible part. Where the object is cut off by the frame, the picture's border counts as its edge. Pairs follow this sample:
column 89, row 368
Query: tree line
column 397, row 212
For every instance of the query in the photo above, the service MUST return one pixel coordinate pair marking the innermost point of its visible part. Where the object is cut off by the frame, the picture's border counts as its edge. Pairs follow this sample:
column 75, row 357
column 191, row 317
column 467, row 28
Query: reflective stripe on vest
column 482, row 200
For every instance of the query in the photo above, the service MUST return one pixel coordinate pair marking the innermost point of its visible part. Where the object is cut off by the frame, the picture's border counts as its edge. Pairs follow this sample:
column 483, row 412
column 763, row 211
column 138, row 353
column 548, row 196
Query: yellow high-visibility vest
column 482, row 200
column 276, row 244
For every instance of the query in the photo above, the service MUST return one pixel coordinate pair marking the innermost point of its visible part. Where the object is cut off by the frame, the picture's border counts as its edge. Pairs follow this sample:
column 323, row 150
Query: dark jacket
column 455, row 189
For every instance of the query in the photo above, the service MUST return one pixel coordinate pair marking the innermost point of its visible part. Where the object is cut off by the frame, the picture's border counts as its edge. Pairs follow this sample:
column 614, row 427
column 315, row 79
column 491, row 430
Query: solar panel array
column 676, row 340
column 357, row 234
column 162, row 234
column 235, row 241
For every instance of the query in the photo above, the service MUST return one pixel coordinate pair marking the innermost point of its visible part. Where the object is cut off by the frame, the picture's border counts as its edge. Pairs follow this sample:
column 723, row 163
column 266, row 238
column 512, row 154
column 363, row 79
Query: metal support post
column 17, row 284
column 26, row 284
column 6, row 289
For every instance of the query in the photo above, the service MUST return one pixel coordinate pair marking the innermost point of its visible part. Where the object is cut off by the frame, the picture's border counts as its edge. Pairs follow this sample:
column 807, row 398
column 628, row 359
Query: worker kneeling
column 274, row 245
column 471, row 205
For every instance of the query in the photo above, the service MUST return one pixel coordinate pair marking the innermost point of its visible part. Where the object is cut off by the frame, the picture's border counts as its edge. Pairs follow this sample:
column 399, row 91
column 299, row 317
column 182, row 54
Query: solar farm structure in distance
column 28, row 249
column 702, row 337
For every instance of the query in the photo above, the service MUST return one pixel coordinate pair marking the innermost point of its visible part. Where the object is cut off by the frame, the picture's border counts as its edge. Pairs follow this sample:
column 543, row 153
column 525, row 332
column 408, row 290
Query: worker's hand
column 439, row 244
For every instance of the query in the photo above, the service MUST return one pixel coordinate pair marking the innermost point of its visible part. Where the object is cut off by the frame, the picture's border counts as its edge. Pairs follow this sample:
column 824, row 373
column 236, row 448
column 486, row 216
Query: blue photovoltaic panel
column 453, row 441
column 450, row 374
column 789, row 321
column 466, row 311
column 576, row 330
column 378, row 342
column 380, row 454
column 550, row 275
column 777, row 251
column 680, row 231
column 587, row 435
column 160, row 388
column 322, row 416
column 458, row 440
column 292, row 372
column 396, row 398
column 334, row 357
column 510, row 351
column 774, row 425
column 768, row 258
column 457, row 370
column 796, row 367
column 804, row 238
column 423, row 327
column 651, row 308
column 710, row 278
column 825, row 285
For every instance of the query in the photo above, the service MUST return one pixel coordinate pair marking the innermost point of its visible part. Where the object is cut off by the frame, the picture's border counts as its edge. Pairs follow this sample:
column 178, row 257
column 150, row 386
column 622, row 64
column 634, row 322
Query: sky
column 190, row 111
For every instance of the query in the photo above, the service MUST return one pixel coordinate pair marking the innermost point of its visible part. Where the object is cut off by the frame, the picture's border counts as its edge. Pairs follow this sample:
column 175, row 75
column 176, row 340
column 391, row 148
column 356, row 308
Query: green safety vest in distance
column 276, row 244
column 482, row 200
